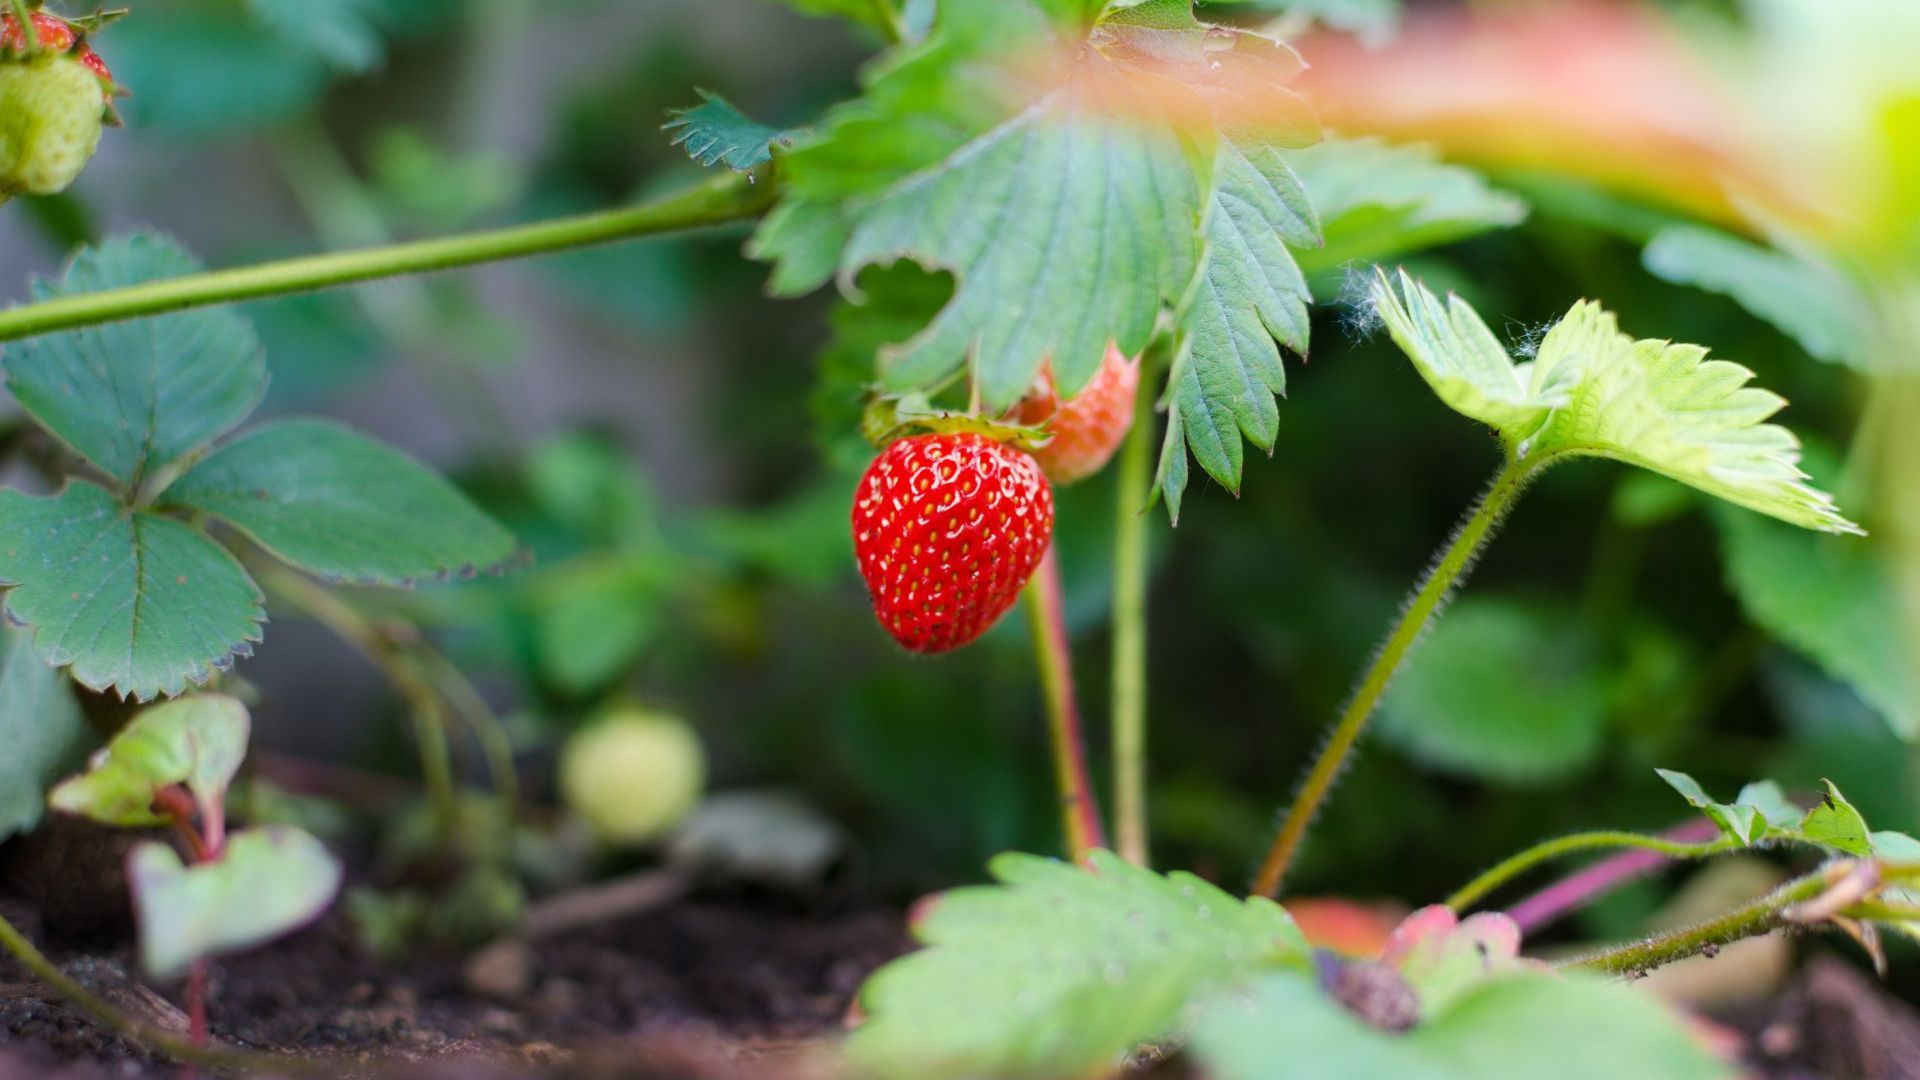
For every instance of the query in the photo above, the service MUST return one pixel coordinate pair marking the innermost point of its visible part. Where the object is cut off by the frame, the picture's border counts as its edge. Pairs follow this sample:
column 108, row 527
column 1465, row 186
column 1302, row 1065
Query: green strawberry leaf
column 269, row 881
column 1762, row 812
column 134, row 397
column 1502, row 690
column 1379, row 200
column 46, row 734
column 132, row 602
column 1834, row 601
column 338, row 504
column 1060, row 970
column 342, row 33
column 1511, row 1027
column 1741, row 819
column 1834, row 823
column 716, row 133
column 197, row 742
column 1594, row 391
column 1810, row 301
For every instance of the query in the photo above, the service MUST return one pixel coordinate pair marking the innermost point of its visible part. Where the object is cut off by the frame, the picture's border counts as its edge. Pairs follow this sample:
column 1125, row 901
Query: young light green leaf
column 197, row 742
column 340, row 32
column 1516, row 1027
column 1834, row 601
column 1593, row 391
column 1811, row 302
column 269, row 881
column 716, row 133
column 42, row 727
column 1060, row 970
column 135, row 396
column 1836, row 824
column 132, row 602
column 1742, row 821
column 1502, row 690
column 338, row 504
column 1378, row 200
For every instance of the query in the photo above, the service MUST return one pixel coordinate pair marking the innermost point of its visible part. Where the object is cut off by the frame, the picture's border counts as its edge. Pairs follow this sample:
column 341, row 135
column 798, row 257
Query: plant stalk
column 1761, row 916
column 1045, row 612
column 731, row 197
column 29, row 33
column 1502, row 873
column 1129, row 687
column 1582, row 888
column 1455, row 562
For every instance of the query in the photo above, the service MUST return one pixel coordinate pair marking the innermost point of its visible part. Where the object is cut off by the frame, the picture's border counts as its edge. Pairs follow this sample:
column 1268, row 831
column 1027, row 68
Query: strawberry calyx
column 50, row 34
column 890, row 418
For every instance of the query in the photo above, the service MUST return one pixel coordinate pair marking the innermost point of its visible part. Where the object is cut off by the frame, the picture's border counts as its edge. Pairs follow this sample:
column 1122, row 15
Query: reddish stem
column 1081, row 810
column 1586, row 886
column 204, row 845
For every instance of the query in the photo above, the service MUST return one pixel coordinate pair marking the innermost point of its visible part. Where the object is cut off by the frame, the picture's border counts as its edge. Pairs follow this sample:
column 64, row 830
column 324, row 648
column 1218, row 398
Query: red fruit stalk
column 1088, row 428
column 947, row 530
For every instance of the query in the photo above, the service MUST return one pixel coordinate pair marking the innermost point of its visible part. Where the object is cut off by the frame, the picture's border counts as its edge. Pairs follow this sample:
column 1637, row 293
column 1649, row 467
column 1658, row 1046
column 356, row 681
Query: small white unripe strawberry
column 50, row 121
column 632, row 774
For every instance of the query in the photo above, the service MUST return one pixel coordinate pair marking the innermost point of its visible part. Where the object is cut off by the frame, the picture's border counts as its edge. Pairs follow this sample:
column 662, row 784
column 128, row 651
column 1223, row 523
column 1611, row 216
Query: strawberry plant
column 1067, row 251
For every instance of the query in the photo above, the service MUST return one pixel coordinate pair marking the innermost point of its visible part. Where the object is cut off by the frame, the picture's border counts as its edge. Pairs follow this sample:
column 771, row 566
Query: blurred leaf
column 1516, row 1027
column 197, row 742
column 802, row 541
column 1060, row 970
column 268, row 882
column 136, row 396
column 340, row 505
column 1379, row 200
column 46, row 734
column 207, row 73
column 1645, row 500
column 593, row 616
column 895, row 301
column 592, row 487
column 340, row 32
column 717, row 133
column 317, row 345
column 1811, row 303
column 875, row 13
column 426, row 183
column 1832, row 600
column 1503, row 690
column 1375, row 22
column 1594, row 391
column 133, row 602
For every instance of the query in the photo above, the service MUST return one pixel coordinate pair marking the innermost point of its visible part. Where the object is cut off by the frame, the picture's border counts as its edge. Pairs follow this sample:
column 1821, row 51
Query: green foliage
column 1762, row 813
column 132, row 602
column 1808, row 300
column 1504, row 690
column 717, row 133
column 342, row 506
column 1593, row 391
column 197, row 742
column 1060, row 970
column 1374, row 21
column 205, row 73
column 136, row 397
column 1514, row 1027
column 267, row 882
column 340, row 32
column 41, row 724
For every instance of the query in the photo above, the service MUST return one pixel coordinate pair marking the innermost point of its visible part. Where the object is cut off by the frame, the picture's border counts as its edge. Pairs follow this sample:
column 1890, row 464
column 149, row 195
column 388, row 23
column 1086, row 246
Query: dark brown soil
column 715, row 985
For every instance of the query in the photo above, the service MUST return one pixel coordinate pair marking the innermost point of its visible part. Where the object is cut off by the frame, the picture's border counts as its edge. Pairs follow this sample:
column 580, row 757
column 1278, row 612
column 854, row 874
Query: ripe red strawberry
column 1089, row 427
column 947, row 529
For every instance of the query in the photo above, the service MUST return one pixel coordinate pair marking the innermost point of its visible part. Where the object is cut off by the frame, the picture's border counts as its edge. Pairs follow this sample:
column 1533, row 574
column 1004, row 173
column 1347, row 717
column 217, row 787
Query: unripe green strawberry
column 1086, row 428
column 50, row 120
column 632, row 774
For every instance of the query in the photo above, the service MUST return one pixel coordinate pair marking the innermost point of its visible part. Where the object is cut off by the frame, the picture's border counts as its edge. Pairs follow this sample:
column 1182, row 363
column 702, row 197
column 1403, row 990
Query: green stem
column 1079, row 811
column 1762, row 916
column 892, row 27
column 1506, row 871
column 1447, row 574
column 1134, row 484
column 731, row 197
column 29, row 33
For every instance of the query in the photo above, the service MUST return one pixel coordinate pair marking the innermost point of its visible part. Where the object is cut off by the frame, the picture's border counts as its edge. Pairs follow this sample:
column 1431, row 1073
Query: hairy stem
column 732, row 197
column 1447, row 574
column 1079, row 811
column 1582, row 888
column 1477, row 889
column 1135, row 481
column 1761, row 916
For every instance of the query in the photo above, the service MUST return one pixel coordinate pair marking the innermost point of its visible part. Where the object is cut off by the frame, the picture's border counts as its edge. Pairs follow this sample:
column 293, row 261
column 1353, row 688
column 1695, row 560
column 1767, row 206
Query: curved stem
column 1513, row 867
column 731, row 197
column 1587, row 885
column 1447, row 574
column 1130, row 634
column 1080, row 812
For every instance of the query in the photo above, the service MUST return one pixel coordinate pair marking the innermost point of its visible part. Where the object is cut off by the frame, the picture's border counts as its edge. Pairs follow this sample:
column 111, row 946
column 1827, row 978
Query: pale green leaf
column 42, row 727
column 1517, row 1027
column 1740, row 820
column 340, row 32
column 716, row 133
column 1060, row 970
column 1593, row 391
column 133, row 602
column 268, row 882
column 1834, row 823
column 338, row 504
column 1503, row 690
column 135, row 396
column 1378, row 200
column 197, row 742
column 1811, row 302
column 1833, row 600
